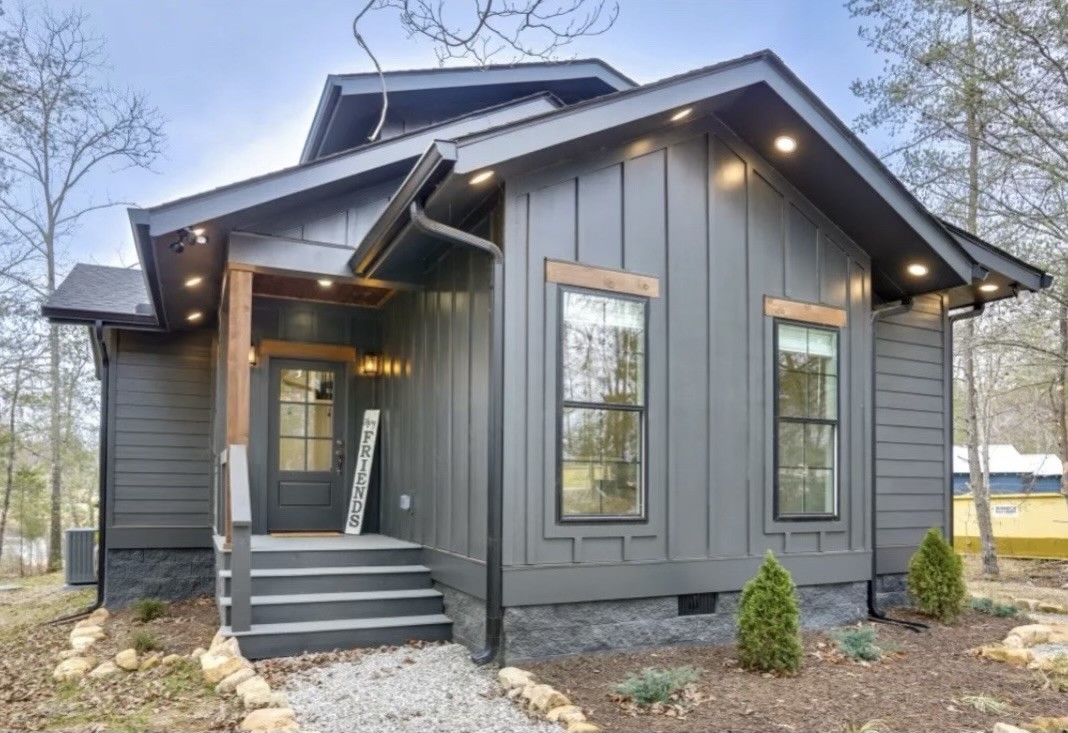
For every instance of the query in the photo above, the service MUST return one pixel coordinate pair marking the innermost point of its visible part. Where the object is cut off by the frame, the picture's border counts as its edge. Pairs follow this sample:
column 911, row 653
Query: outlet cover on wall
column 406, row 502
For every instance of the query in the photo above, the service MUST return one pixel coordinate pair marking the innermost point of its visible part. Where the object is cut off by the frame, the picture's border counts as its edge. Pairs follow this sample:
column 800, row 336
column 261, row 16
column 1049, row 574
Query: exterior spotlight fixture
column 194, row 316
column 194, row 281
column 187, row 238
column 988, row 287
column 785, row 144
column 326, row 283
column 682, row 114
column 370, row 364
column 917, row 270
column 480, row 177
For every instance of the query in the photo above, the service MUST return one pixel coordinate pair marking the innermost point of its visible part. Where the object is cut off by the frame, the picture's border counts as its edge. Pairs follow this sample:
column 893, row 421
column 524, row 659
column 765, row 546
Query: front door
column 306, row 457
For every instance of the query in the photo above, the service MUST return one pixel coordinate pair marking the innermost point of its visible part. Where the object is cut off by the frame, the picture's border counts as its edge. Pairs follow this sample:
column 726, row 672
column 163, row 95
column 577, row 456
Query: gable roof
column 115, row 295
column 759, row 98
column 1004, row 458
column 349, row 105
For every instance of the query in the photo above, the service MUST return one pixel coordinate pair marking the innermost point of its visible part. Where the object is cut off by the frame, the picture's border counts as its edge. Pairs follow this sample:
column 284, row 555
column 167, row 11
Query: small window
column 806, row 417
column 602, row 409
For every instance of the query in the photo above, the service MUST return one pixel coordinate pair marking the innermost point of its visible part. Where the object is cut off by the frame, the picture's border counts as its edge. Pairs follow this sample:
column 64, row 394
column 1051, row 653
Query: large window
column 806, row 411
column 602, row 411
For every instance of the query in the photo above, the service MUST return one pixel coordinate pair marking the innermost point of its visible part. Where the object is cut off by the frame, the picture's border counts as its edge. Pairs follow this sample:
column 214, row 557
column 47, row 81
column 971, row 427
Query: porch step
column 286, row 581
column 287, row 639
column 338, row 606
column 319, row 552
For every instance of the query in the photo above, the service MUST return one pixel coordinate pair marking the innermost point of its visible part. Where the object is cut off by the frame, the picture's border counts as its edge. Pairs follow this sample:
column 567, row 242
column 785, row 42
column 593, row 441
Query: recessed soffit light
column 194, row 281
column 918, row 270
column 785, row 144
column 682, row 114
column 326, row 283
column 194, row 316
column 480, row 177
column 988, row 287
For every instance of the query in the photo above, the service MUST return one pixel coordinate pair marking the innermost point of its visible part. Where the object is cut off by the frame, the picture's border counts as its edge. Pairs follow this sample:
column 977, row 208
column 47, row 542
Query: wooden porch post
column 238, row 340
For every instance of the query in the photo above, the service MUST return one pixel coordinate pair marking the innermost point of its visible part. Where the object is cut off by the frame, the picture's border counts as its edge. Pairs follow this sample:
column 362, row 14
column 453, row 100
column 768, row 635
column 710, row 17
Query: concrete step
column 296, row 581
column 288, row 639
column 339, row 606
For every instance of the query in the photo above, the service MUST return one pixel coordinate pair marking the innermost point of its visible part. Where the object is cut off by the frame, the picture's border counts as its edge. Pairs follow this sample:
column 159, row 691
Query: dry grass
column 1038, row 579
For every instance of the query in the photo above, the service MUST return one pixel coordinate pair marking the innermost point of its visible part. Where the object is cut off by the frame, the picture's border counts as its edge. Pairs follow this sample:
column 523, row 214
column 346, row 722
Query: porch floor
column 277, row 543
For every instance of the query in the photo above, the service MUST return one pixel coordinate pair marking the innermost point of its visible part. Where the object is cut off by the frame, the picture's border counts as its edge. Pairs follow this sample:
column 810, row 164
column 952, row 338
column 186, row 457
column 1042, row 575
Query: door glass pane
column 319, row 455
column 291, row 454
column 320, row 421
column 291, row 420
column 294, row 385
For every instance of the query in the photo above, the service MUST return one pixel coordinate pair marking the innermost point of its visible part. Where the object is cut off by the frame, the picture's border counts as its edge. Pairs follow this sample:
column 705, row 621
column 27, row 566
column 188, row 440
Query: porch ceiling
column 297, row 288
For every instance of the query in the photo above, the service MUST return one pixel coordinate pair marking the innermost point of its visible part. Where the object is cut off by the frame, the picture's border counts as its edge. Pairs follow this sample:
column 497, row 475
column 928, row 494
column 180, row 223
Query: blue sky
column 238, row 80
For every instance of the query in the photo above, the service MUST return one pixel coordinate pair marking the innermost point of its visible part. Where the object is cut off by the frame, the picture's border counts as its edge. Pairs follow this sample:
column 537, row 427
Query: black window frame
column 642, row 410
column 837, row 423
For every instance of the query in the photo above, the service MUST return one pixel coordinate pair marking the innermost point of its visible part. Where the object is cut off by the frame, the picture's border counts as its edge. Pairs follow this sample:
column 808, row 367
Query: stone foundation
column 167, row 574
column 468, row 616
column 891, row 591
column 539, row 632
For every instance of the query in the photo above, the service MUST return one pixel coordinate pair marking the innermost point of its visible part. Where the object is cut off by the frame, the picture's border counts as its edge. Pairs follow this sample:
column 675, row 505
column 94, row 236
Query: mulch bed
column 916, row 688
column 161, row 699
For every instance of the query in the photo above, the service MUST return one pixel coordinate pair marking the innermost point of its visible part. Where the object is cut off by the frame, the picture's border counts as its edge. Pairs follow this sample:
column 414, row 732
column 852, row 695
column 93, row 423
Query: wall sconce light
column 370, row 364
column 253, row 357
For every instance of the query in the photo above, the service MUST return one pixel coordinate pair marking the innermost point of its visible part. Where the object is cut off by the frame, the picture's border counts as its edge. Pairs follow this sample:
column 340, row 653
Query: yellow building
column 1025, row 525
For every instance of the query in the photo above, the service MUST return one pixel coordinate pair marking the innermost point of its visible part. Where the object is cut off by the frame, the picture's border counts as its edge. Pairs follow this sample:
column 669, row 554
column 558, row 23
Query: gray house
column 622, row 340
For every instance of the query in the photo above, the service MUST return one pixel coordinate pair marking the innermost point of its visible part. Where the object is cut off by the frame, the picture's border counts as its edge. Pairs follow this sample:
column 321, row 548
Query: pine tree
column 936, row 578
column 769, row 639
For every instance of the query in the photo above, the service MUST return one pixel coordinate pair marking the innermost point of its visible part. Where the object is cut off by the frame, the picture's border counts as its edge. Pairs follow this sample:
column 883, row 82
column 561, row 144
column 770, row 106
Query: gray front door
column 306, row 455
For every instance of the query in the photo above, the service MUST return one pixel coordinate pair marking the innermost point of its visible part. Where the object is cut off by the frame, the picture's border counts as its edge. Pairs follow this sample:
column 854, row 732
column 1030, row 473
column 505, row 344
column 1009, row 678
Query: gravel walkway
column 407, row 690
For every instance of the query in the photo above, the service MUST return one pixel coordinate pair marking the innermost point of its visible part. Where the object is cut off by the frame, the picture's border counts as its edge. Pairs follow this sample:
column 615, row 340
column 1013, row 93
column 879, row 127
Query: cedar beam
column 238, row 341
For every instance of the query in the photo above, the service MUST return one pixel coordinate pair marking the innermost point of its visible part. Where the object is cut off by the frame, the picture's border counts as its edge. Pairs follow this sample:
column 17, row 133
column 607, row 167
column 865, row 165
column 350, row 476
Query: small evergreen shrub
column 653, row 685
column 768, row 621
column 147, row 609
column 144, row 641
column 858, row 644
column 936, row 578
column 1000, row 610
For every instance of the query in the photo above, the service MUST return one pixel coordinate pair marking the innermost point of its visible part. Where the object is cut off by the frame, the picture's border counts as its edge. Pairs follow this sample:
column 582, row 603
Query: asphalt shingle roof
column 114, row 291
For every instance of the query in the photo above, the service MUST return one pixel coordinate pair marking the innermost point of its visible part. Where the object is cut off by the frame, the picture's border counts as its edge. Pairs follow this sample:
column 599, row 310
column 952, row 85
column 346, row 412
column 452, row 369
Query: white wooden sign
column 1006, row 510
column 361, row 479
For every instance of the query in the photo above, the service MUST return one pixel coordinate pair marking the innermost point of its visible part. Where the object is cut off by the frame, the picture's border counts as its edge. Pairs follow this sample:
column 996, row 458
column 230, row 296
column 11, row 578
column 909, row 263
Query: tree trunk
column 1060, row 397
column 9, row 483
column 55, row 524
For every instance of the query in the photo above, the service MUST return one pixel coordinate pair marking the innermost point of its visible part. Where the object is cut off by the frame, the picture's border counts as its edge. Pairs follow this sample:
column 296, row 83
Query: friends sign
column 361, row 480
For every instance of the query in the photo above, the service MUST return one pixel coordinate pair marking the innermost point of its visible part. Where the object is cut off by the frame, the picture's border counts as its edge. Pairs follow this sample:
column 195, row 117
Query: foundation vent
column 697, row 604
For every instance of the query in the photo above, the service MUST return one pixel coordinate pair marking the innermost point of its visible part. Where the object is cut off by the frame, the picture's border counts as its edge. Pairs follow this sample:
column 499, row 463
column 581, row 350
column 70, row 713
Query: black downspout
column 495, row 487
column 874, row 613
column 101, row 511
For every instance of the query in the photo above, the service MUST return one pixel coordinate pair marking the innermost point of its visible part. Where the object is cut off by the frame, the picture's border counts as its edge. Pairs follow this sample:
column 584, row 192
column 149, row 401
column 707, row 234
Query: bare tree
column 487, row 29
column 69, row 124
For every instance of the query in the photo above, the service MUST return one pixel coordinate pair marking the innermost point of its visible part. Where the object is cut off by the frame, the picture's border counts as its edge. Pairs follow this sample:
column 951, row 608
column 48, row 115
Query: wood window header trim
column 601, row 278
column 306, row 350
column 795, row 310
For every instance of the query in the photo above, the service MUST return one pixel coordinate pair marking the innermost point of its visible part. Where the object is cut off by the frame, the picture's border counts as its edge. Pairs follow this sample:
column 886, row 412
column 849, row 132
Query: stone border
column 232, row 674
column 1023, row 604
column 521, row 687
column 1015, row 649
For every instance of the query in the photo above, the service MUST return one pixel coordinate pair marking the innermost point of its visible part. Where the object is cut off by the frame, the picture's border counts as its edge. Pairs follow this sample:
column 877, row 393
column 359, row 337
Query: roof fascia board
column 432, row 167
column 213, row 204
column 82, row 316
column 146, row 253
column 324, row 110
column 481, row 151
column 992, row 258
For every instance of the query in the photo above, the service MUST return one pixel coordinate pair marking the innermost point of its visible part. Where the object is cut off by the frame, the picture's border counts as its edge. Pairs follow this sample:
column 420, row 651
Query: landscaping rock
column 219, row 664
column 106, row 669
column 1026, row 604
column 279, row 700
column 1049, row 725
column 170, row 659
column 99, row 616
column 581, row 727
column 197, row 653
column 217, row 639
column 254, row 692
column 89, row 630
column 566, row 714
column 270, row 720
column 1012, row 641
column 67, row 654
column 72, row 669
column 1015, row 657
column 544, row 698
column 511, row 677
column 150, row 662
column 1032, row 634
column 83, row 643
column 1051, row 608
column 231, row 682
column 127, row 659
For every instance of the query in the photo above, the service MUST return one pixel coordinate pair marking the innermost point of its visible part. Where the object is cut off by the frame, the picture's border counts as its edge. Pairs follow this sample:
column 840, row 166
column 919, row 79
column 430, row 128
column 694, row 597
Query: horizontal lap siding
column 720, row 230
column 911, row 429
column 160, row 428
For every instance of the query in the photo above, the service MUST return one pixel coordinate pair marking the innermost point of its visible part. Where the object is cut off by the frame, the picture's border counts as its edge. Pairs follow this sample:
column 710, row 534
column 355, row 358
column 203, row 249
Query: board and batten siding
column 160, row 440
column 434, row 429
column 342, row 220
column 721, row 230
column 912, row 430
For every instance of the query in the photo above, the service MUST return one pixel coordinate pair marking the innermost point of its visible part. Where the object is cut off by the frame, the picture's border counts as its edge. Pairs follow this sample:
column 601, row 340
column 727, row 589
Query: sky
column 238, row 80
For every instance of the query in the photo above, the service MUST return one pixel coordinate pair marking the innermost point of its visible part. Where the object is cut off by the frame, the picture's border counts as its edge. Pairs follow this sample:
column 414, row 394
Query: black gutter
column 102, row 478
column 495, row 487
column 874, row 614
